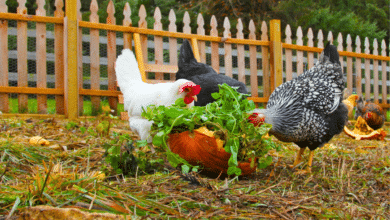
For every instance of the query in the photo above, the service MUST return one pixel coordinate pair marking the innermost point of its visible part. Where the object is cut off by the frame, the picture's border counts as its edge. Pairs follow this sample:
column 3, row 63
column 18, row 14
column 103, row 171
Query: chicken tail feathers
column 126, row 69
column 330, row 51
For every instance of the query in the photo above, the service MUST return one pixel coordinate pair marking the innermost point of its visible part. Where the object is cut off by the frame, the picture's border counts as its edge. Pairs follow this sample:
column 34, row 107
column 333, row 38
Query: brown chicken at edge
column 371, row 112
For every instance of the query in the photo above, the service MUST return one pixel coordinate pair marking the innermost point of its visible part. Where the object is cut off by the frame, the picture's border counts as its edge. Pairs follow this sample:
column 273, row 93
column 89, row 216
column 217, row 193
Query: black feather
column 203, row 75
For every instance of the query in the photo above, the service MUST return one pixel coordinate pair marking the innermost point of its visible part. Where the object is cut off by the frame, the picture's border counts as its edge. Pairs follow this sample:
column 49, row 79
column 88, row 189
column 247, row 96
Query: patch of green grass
column 51, row 107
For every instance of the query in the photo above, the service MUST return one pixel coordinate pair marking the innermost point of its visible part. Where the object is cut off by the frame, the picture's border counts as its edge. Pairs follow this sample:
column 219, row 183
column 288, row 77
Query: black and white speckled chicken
column 372, row 113
column 308, row 110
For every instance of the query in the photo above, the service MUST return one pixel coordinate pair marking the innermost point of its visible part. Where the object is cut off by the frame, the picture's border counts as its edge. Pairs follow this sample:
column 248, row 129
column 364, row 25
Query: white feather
column 138, row 94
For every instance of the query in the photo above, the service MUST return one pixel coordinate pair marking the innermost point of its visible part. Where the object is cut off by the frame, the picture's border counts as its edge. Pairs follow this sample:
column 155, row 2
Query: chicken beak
column 195, row 98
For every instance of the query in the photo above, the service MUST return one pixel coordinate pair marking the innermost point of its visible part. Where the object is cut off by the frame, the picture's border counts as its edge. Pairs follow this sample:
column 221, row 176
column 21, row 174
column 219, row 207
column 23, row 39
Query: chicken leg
column 298, row 159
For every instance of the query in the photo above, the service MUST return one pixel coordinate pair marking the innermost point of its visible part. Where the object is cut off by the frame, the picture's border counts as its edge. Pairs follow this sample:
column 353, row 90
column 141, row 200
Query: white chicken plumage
column 138, row 94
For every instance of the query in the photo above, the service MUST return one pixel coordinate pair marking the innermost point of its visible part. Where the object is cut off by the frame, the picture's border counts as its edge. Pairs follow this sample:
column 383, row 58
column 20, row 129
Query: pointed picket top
column 330, row 37
column 383, row 47
column 3, row 7
column 59, row 12
column 320, row 37
column 22, row 7
column 310, row 37
column 213, row 24
column 299, row 36
column 375, row 46
column 288, row 34
column 186, row 22
column 142, row 17
column 240, row 28
column 252, row 30
column 366, row 45
column 110, row 12
column 41, row 8
column 172, row 21
column 127, row 15
column 94, row 17
column 157, row 19
column 340, row 42
column 226, row 26
column 200, row 22
column 264, row 31
column 358, row 44
column 349, row 43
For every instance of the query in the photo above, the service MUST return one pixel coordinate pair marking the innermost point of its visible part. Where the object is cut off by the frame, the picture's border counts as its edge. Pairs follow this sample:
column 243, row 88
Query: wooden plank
column 358, row 67
column 253, row 61
column 172, row 43
column 228, row 49
column 30, row 90
column 140, row 57
column 265, row 61
column 341, row 53
column 276, row 55
column 288, row 53
column 4, row 102
column 299, row 53
column 195, row 49
column 22, row 58
column 349, row 67
column 376, row 73
column 86, row 24
column 384, row 74
column 201, row 44
column 158, row 43
column 160, row 68
column 71, row 77
column 30, row 116
column 93, row 92
column 259, row 99
column 127, row 37
column 41, row 58
column 95, row 56
column 214, row 45
column 111, row 57
column 310, row 43
column 59, row 57
column 240, row 53
column 80, row 71
column 142, row 24
column 31, row 18
column 367, row 70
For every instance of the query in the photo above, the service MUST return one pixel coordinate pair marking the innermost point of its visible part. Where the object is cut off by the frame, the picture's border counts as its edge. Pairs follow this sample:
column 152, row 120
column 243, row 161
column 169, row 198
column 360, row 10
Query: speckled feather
column 308, row 109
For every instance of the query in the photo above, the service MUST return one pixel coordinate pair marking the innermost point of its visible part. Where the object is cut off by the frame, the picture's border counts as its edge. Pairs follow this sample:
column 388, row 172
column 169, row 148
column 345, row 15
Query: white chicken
column 138, row 94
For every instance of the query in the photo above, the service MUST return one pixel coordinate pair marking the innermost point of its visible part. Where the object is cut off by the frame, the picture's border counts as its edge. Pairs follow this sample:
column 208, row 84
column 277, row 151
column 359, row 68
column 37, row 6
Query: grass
column 51, row 106
column 350, row 179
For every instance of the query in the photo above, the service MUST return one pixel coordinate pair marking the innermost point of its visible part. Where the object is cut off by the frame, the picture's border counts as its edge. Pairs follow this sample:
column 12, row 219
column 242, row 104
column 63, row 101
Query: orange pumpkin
column 364, row 132
column 200, row 149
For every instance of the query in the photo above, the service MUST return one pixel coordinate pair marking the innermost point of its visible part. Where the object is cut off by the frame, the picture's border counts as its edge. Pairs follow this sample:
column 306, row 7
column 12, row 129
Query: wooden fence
column 261, row 62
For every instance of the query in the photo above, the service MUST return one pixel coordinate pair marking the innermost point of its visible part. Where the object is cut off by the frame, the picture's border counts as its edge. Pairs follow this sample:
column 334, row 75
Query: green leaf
column 234, row 170
column 185, row 169
column 265, row 162
column 215, row 95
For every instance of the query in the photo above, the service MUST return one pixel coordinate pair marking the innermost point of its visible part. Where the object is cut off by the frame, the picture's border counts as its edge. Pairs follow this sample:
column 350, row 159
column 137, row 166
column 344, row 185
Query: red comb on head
column 190, row 88
column 256, row 119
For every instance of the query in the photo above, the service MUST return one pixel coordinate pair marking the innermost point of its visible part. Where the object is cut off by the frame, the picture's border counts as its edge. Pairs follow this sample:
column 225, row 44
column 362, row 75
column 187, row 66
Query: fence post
column 71, row 78
column 276, row 54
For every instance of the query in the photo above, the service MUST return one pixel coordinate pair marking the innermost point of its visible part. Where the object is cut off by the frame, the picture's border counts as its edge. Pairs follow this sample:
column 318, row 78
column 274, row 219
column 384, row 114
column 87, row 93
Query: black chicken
column 203, row 75
column 308, row 110
column 372, row 113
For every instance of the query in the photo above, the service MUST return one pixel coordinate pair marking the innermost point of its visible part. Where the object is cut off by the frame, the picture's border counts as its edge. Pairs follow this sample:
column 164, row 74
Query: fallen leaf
column 38, row 140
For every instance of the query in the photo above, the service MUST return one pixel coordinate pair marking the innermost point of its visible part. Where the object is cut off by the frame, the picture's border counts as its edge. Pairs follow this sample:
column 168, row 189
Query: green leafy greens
column 227, row 117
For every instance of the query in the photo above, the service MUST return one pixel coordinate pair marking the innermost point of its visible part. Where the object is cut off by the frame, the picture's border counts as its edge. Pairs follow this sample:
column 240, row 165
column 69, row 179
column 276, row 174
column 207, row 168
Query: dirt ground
column 349, row 179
